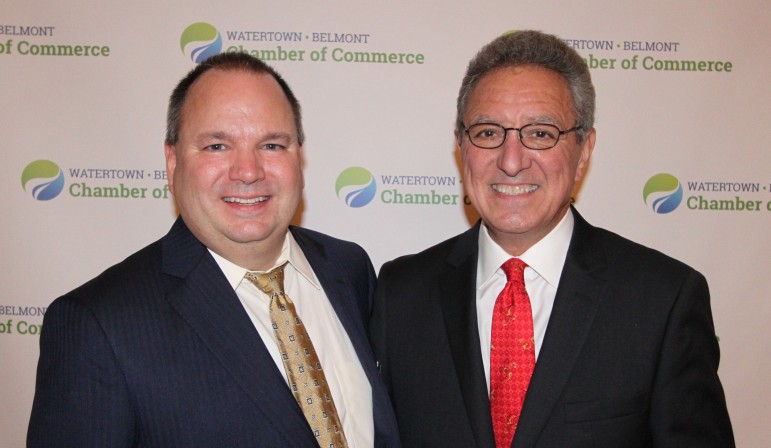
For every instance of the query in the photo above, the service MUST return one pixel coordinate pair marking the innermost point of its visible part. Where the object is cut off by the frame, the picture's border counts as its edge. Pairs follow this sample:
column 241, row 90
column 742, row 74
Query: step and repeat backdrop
column 682, row 160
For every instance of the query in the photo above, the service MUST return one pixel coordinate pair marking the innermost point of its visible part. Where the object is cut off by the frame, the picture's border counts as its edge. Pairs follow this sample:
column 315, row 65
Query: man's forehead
column 519, row 87
column 218, row 78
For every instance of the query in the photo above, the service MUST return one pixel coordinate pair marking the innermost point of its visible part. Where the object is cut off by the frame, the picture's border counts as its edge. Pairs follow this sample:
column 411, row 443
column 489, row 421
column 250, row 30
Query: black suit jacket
column 158, row 351
column 629, row 358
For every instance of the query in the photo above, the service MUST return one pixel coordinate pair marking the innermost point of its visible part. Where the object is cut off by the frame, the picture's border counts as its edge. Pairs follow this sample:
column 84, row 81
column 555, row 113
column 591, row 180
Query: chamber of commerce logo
column 200, row 41
column 43, row 179
column 663, row 193
column 356, row 186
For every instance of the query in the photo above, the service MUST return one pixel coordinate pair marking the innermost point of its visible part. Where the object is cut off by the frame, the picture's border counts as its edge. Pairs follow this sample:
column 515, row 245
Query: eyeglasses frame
column 506, row 130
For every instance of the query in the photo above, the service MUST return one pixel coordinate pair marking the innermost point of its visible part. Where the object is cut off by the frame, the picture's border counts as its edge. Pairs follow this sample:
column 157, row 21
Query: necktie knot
column 514, row 268
column 271, row 283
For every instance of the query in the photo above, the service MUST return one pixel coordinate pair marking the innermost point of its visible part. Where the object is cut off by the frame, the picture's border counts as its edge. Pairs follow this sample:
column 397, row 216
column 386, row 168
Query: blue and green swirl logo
column 663, row 193
column 43, row 179
column 356, row 186
column 200, row 41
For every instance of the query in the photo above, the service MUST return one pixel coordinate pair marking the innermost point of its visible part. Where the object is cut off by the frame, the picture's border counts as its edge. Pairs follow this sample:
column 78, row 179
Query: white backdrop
column 98, row 121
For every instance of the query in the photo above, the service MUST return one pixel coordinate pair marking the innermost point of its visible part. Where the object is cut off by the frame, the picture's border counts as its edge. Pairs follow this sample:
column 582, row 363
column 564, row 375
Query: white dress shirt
column 544, row 259
column 347, row 381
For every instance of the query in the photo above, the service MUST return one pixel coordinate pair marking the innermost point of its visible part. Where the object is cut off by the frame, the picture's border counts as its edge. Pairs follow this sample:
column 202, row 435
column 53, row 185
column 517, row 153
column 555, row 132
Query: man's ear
column 586, row 153
column 171, row 164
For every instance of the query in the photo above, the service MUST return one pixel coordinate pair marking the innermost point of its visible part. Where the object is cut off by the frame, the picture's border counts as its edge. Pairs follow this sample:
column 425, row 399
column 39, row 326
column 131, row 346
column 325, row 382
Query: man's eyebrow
column 539, row 119
column 277, row 135
column 482, row 119
column 212, row 135
column 543, row 119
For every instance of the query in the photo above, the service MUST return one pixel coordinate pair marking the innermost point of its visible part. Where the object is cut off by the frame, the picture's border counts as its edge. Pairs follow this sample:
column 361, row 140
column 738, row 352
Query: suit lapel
column 338, row 286
column 458, row 300
column 202, row 296
column 579, row 293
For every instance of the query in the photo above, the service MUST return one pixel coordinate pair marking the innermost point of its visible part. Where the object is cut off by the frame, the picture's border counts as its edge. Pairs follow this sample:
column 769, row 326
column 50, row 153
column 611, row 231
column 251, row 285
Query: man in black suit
column 174, row 346
column 615, row 345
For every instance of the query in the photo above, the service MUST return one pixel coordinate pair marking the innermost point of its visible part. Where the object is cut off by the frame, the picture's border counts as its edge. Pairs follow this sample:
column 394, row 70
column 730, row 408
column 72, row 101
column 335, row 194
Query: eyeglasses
column 533, row 136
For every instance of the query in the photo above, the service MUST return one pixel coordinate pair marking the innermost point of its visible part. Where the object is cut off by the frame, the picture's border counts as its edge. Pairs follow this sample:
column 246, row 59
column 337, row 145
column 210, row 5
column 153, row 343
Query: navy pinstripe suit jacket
column 157, row 351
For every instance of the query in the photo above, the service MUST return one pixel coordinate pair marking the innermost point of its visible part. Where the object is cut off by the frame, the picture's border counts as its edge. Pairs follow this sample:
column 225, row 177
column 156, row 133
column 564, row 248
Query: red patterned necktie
column 512, row 353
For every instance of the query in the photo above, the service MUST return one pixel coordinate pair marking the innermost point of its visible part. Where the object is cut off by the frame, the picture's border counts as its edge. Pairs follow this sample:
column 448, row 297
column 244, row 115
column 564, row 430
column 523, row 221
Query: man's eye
column 216, row 147
column 487, row 133
column 273, row 146
column 542, row 133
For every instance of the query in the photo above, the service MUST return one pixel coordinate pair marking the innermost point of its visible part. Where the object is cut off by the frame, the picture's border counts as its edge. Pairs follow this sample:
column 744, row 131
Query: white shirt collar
column 546, row 257
column 290, row 251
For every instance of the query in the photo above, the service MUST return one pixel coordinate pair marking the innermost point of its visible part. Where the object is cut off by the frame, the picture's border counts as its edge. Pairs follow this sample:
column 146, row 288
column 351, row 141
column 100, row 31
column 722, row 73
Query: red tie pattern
column 512, row 353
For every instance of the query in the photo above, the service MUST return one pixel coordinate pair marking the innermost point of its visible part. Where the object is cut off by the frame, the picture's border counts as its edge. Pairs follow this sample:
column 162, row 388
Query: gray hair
column 533, row 48
column 229, row 61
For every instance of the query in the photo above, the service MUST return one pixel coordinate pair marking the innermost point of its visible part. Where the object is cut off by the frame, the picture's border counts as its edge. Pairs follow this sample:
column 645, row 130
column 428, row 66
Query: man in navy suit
column 172, row 346
column 625, row 353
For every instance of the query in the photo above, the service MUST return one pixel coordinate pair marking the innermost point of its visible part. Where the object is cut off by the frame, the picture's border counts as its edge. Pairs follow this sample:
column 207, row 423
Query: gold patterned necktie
column 302, row 365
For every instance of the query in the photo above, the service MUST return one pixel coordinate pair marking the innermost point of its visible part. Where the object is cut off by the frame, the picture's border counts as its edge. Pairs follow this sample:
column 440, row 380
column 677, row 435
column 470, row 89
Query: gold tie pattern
column 302, row 365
